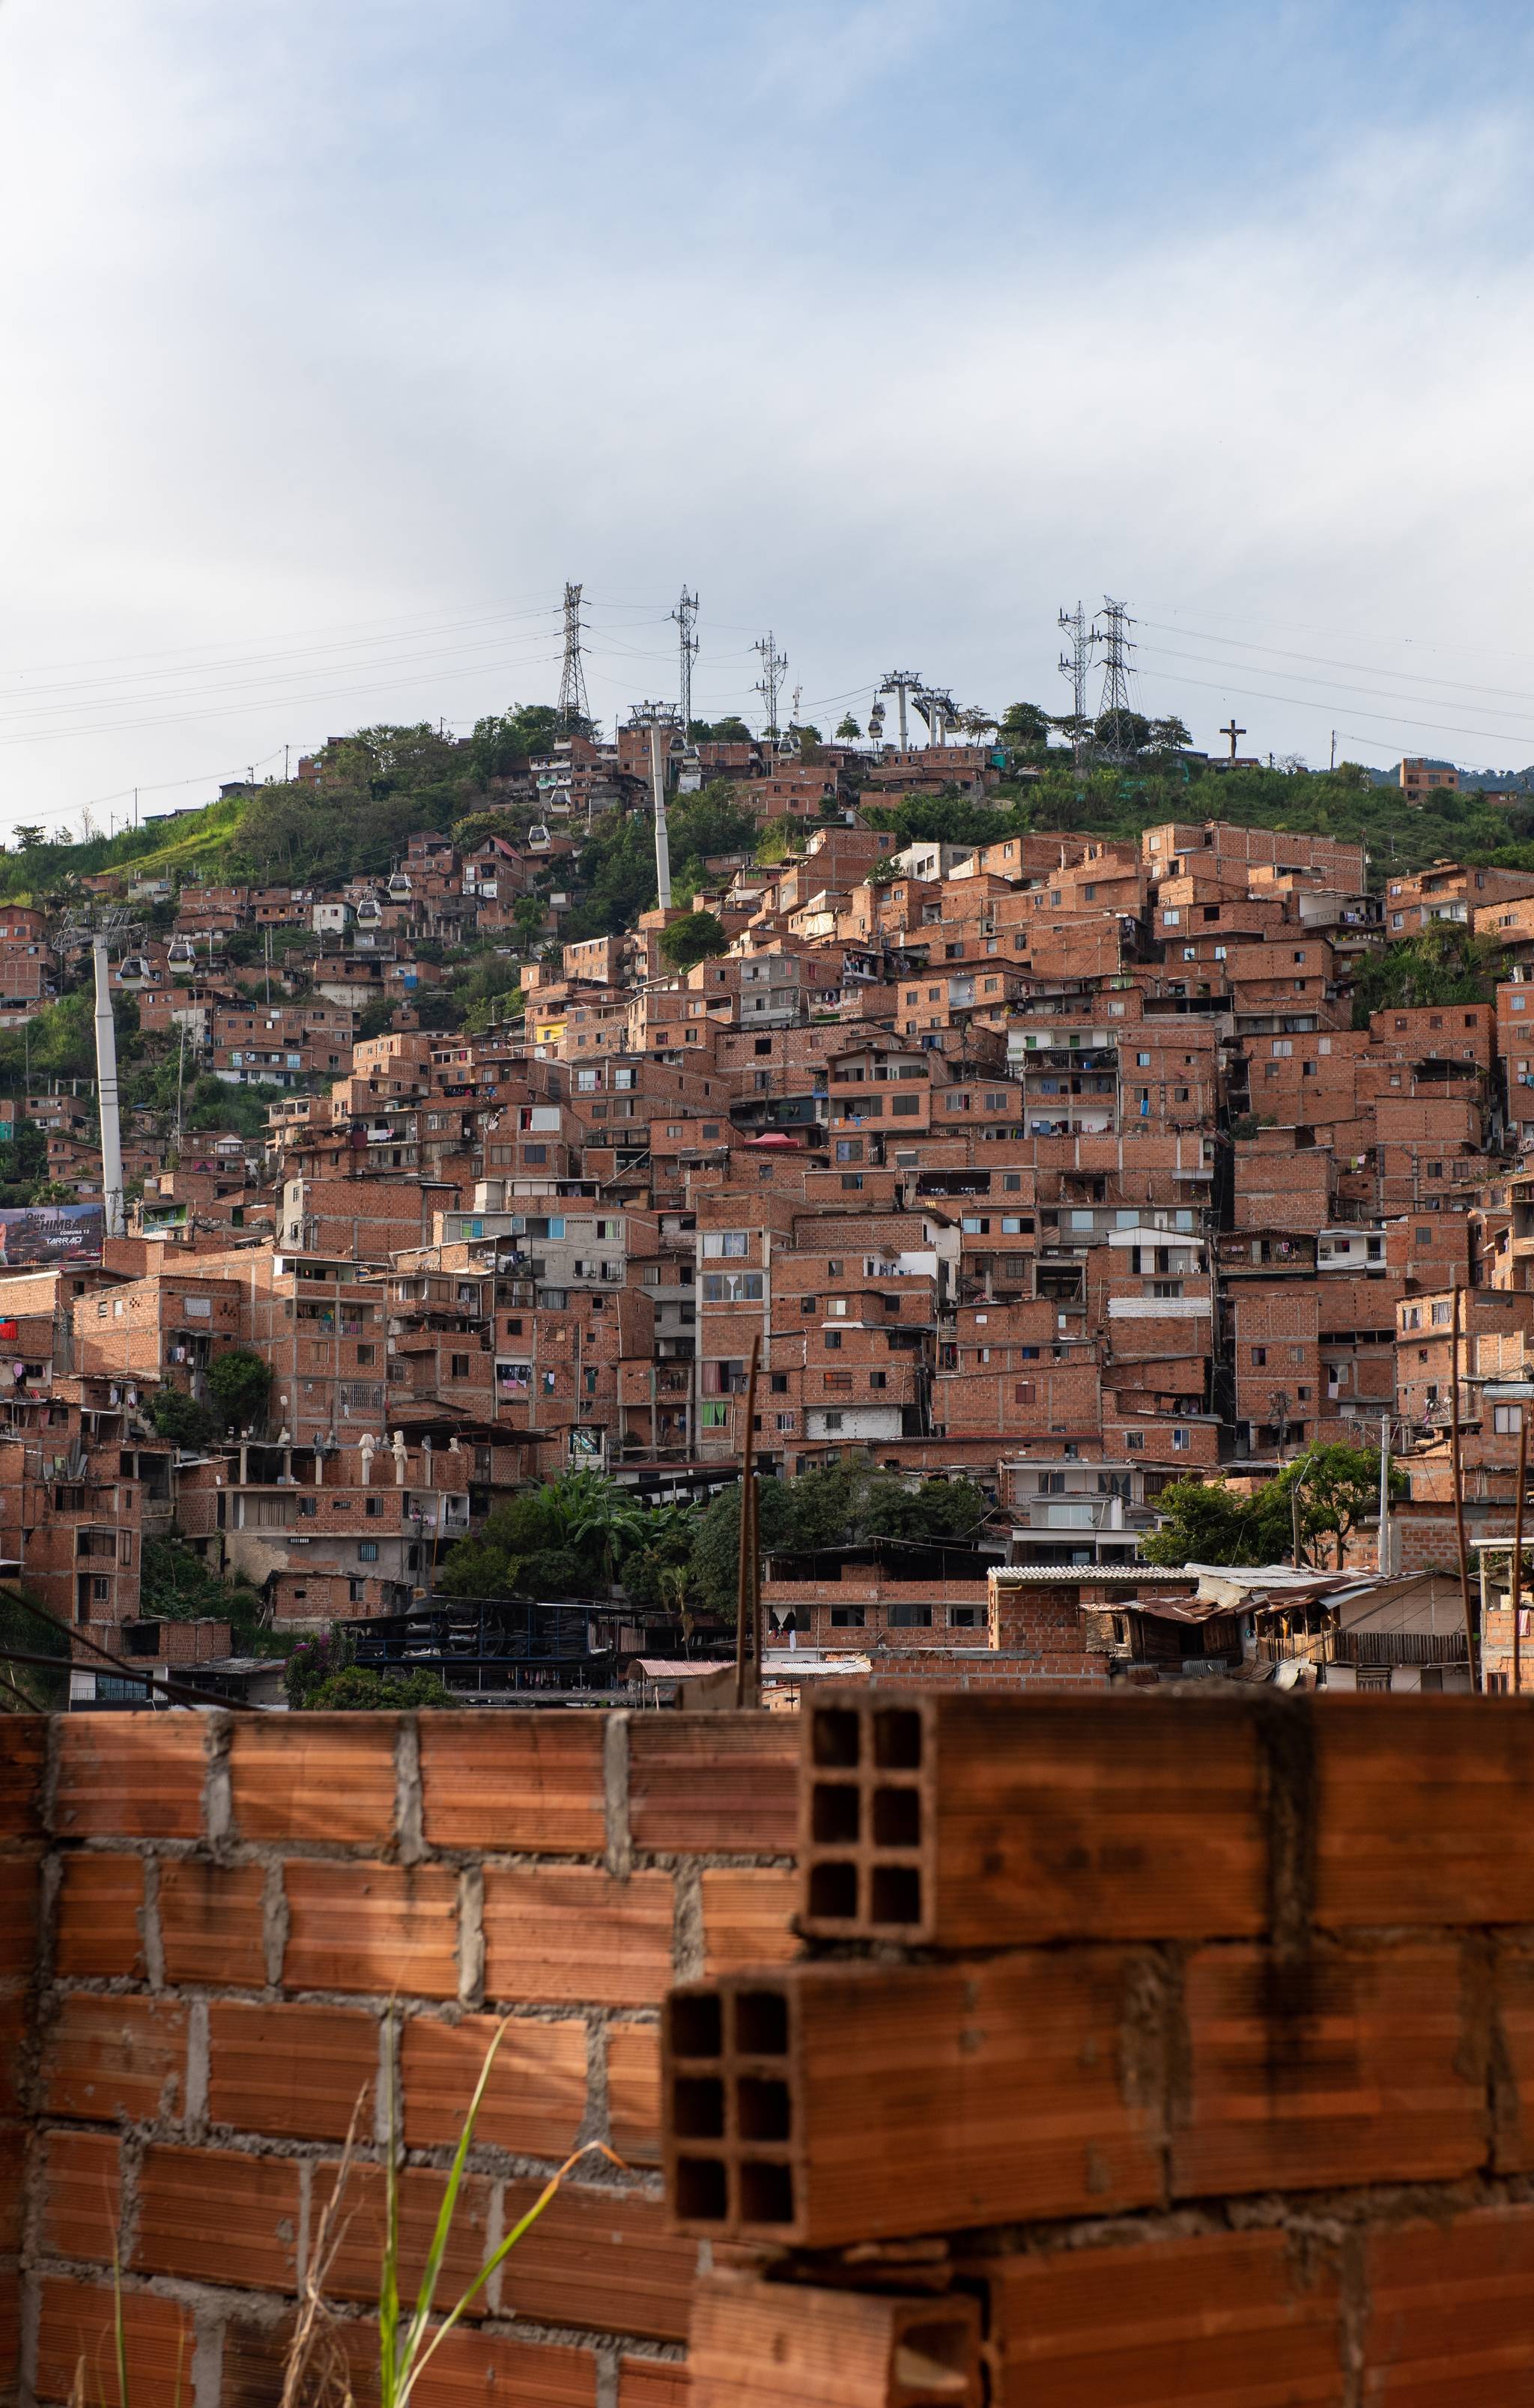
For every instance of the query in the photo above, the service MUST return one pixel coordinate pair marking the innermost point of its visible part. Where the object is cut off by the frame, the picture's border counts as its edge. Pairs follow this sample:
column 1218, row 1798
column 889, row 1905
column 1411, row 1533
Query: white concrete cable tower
column 115, row 927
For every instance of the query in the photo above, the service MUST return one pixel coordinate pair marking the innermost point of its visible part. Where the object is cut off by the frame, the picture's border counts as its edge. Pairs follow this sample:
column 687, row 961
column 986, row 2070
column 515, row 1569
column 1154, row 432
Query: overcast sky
column 337, row 336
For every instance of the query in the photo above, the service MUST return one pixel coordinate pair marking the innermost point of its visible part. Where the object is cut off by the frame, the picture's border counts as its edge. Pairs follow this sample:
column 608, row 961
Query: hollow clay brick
column 359, row 2223
column 78, row 2321
column 106, row 2058
column 1223, row 2320
column 707, row 1784
column 97, row 1933
column 326, row 1777
column 481, row 2369
column 1425, row 1811
column 560, row 1936
column 21, row 1881
column 535, row 2097
column 216, row 2215
column 372, row 1929
column 295, row 2071
column 525, row 1784
column 600, row 2257
column 633, row 2090
column 211, row 1922
column 1024, row 2085
column 1343, row 2068
column 129, row 1776
column 759, row 2344
column 82, row 2194
column 1450, row 2311
column 746, row 1914
column 952, row 1821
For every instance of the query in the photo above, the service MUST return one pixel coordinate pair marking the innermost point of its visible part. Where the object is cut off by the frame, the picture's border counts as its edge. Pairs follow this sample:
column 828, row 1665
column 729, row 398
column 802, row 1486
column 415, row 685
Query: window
column 732, row 1287
column 833, row 1420
column 835, row 1306
column 879, row 1380
column 1506, row 1417
column 907, row 1617
column 833, row 1340
column 785, row 1421
column 367, row 1551
column 459, row 1367
column 373, row 1508
column 846, row 1617
column 1179, row 1442
column 1135, row 1442
column 726, row 1241
column 1025, row 1392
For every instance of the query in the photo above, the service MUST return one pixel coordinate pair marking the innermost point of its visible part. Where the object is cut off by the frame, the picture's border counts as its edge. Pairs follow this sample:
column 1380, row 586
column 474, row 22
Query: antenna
column 661, row 720
column 1118, row 712
column 685, row 615
column 574, row 708
column 900, row 682
column 770, row 683
column 1074, row 665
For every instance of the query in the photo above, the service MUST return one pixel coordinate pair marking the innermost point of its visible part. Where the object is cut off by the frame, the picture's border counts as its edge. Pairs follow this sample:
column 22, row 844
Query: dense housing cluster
column 1072, row 1165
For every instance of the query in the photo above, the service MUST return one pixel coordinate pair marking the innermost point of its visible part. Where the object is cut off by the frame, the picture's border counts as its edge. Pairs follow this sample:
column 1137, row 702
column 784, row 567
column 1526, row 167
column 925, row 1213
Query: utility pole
column 769, row 684
column 685, row 615
column 1334, row 748
column 1074, row 663
column 573, row 703
column 1384, row 1564
column 1117, row 709
column 1457, row 1469
column 1516, row 1584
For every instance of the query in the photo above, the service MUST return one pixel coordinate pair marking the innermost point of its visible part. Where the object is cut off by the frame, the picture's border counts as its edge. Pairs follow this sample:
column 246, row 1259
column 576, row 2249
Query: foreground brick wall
column 202, row 1922
column 1203, row 2027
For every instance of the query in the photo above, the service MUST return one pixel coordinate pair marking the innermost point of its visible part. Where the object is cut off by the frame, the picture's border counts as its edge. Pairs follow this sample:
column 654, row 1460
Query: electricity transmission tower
column 1074, row 664
column 574, row 708
column 685, row 615
column 1116, row 718
column 769, row 684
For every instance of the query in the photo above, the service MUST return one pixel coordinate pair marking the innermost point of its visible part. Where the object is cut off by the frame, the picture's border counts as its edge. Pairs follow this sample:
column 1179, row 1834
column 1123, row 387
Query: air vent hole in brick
column 835, row 1813
column 767, row 2194
column 697, row 2109
column 897, row 1741
column 763, row 2109
column 935, row 2360
column 696, row 2025
column 702, row 2192
column 836, row 1738
column 897, row 1818
column 833, row 1893
column 761, row 2023
column 896, row 1895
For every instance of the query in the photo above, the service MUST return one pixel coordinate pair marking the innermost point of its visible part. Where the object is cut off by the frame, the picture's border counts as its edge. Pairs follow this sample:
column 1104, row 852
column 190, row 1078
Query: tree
column 323, row 1676
column 700, row 937
column 30, row 838
column 1168, row 736
column 976, row 722
column 183, row 1420
column 240, row 1381
column 1024, row 723
column 719, row 731
column 848, row 730
column 1123, row 731
column 1207, row 1522
column 1443, row 963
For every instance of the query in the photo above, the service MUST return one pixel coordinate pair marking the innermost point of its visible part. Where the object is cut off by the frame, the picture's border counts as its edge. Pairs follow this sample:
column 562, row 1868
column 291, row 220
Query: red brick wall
column 232, row 1902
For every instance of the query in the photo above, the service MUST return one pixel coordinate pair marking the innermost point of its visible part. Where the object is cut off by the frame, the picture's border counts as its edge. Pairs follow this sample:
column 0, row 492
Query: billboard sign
column 35, row 1235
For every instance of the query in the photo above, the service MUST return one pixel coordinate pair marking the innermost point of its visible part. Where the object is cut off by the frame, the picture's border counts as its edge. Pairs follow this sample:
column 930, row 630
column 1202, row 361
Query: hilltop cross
column 1232, row 731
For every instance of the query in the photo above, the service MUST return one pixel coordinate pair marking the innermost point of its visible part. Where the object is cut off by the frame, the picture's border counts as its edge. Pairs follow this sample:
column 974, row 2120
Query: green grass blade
column 498, row 2257
column 119, row 2336
column 388, row 2278
column 431, row 2272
